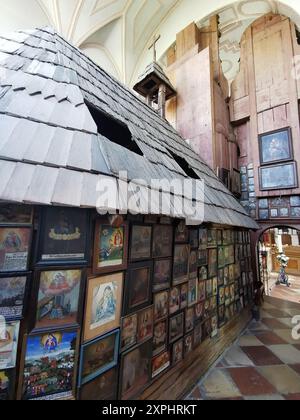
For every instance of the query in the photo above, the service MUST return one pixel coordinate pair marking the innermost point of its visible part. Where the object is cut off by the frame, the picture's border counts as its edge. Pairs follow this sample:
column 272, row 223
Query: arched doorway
column 272, row 242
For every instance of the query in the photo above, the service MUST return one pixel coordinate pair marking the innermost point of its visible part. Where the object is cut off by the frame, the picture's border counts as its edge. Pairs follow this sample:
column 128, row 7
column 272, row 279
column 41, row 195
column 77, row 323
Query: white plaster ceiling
column 117, row 33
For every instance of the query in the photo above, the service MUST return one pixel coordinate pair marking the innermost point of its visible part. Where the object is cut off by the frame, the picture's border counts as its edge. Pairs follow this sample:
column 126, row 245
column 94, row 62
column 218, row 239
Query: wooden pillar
column 162, row 100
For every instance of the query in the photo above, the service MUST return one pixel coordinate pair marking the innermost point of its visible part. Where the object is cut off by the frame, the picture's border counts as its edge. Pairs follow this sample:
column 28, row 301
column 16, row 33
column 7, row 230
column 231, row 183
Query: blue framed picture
column 99, row 356
column 276, row 146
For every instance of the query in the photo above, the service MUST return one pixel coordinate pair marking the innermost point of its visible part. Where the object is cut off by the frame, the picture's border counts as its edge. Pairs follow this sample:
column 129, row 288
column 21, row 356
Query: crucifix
column 153, row 45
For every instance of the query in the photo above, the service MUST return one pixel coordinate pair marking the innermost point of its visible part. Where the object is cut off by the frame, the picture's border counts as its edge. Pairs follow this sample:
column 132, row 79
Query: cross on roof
column 156, row 38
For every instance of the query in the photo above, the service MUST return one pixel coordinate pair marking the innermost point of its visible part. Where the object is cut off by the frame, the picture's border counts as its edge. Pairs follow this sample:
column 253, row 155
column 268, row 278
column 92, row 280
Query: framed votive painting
column 103, row 305
column 162, row 274
column 162, row 241
column 103, row 388
column 111, row 248
column 276, row 146
column 160, row 363
column 64, row 236
column 9, row 339
column 141, row 242
column 14, row 248
column 138, row 287
column 181, row 264
column 129, row 328
column 278, row 177
column 12, row 296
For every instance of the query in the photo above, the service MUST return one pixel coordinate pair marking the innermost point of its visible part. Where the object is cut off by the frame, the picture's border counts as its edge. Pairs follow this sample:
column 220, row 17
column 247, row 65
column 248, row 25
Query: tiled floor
column 264, row 363
column 291, row 293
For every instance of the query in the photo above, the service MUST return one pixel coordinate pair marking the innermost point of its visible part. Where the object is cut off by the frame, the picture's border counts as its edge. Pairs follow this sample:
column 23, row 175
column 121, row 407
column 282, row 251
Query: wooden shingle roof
column 50, row 149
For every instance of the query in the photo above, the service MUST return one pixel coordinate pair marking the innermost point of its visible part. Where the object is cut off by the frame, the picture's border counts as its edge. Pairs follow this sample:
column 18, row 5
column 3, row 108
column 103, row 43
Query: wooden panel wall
column 264, row 94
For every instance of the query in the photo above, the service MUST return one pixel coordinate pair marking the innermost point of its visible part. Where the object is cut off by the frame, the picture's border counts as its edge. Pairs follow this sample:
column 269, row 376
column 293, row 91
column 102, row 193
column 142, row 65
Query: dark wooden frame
column 286, row 187
column 3, row 204
column 115, row 386
column 179, row 336
column 112, row 268
column 19, row 226
column 139, row 259
column 171, row 274
column 28, row 276
column 288, row 130
column 170, row 253
column 164, row 348
column 12, row 383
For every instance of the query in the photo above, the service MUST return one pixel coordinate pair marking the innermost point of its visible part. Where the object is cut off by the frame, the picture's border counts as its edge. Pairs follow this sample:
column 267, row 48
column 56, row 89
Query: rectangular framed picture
column 138, row 287
column 194, row 238
column 197, row 335
column 181, row 264
column 129, row 328
column 212, row 238
column 103, row 306
column 174, row 305
column 14, row 214
column 111, row 248
column 58, row 299
column 193, row 264
column 193, row 292
column 64, row 236
column 181, row 233
column 160, row 364
column 203, row 238
column 278, row 177
column 160, row 337
column 199, row 311
column 212, row 262
column 162, row 241
column 141, row 242
column 102, row 388
column 202, row 257
column 161, row 305
column 145, row 325
column 176, row 327
column 201, row 290
column 162, row 274
column 15, row 243
column 177, row 352
column 9, row 339
column 189, row 319
column 12, row 296
column 7, row 384
column 203, row 273
column 276, row 146
column 135, row 371
column 188, row 344
column 52, row 358
column 184, row 290
column 99, row 356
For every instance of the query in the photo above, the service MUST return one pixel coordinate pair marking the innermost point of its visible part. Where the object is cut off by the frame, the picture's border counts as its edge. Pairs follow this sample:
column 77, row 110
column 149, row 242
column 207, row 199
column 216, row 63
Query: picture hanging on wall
column 64, row 236
column 174, row 300
column 141, row 242
column 161, row 305
column 160, row 363
column 276, row 146
column 138, row 287
column 162, row 274
column 111, row 248
column 7, row 381
column 160, row 337
column 9, row 344
column 194, row 238
column 203, row 238
column 212, row 262
column 129, row 327
column 176, row 327
column 278, row 177
column 13, row 214
column 162, row 241
column 181, row 233
column 135, row 371
column 58, row 299
column 12, row 297
column 99, row 356
column 103, row 305
column 145, row 325
column 52, row 356
column 177, row 352
column 103, row 388
column 181, row 264
column 14, row 248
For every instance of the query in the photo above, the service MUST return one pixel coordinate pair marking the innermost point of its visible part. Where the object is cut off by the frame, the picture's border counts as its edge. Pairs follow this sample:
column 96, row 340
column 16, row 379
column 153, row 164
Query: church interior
column 149, row 200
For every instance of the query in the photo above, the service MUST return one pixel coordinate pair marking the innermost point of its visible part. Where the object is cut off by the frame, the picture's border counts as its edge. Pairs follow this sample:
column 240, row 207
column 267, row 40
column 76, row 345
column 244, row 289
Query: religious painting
column 221, row 315
column 231, row 273
column 181, row 233
column 199, row 311
column 214, row 326
column 221, row 294
column 14, row 249
column 174, row 300
column 181, row 264
column 189, row 319
column 162, row 241
column 201, row 291
column 12, row 297
column 161, row 305
column 294, row 201
column 177, row 352
column 202, row 257
column 141, row 242
column 221, row 257
column 7, row 378
column 129, row 327
column 160, row 364
column 276, row 146
column 203, row 273
column 226, row 276
column 227, row 295
column 58, row 299
column 209, row 288
column 219, row 237
column 111, row 244
column 213, row 303
column 202, row 238
column 103, row 305
column 99, row 356
column 9, row 337
column 64, row 235
column 221, row 277
column 197, row 338
column 207, row 309
column 135, row 371
column 14, row 214
column 193, row 292
column 184, row 291
column 162, row 274
column 212, row 238
column 49, row 367
column 188, row 344
column 102, row 388
column 160, row 337
column 145, row 325
column 194, row 238
column 176, row 327
column 231, row 254
column 193, row 264
column 215, row 286
column 236, row 182
column 212, row 262
column 278, row 177
column 138, row 290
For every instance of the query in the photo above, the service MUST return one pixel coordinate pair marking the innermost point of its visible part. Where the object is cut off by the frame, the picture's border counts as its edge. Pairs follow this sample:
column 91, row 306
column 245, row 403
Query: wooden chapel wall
column 265, row 95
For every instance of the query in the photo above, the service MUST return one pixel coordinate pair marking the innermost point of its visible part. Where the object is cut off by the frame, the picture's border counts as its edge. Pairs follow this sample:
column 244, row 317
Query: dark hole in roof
column 114, row 130
column 187, row 169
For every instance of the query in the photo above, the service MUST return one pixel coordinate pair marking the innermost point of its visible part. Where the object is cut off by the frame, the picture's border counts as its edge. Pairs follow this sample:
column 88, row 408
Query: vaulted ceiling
column 117, row 33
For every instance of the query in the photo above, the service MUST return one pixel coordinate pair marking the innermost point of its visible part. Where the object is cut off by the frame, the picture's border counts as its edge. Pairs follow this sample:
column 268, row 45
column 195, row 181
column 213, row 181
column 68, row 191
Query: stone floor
column 291, row 293
column 264, row 364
